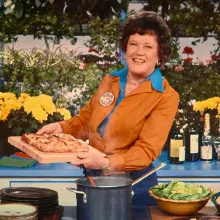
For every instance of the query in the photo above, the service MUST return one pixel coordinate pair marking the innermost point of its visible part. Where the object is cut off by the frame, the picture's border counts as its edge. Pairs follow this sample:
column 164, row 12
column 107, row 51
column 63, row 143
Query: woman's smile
column 141, row 55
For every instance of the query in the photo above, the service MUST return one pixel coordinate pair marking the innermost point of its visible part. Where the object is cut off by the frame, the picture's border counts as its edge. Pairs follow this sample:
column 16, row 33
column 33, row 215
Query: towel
column 15, row 162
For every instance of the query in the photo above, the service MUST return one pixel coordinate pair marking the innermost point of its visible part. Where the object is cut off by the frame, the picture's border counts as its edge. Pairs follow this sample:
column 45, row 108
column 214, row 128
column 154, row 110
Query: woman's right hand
column 51, row 129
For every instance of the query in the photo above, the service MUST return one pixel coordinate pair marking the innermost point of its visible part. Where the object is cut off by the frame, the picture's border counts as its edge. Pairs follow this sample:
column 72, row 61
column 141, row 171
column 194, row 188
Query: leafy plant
column 194, row 80
column 104, row 40
column 27, row 114
column 60, row 74
column 39, row 71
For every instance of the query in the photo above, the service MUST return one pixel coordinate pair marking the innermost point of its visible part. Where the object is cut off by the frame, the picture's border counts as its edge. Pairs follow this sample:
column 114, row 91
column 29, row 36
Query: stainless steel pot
column 110, row 199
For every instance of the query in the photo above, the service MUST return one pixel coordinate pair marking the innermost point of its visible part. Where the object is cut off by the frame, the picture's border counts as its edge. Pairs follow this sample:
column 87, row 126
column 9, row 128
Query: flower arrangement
column 27, row 114
column 208, row 104
column 211, row 106
column 194, row 78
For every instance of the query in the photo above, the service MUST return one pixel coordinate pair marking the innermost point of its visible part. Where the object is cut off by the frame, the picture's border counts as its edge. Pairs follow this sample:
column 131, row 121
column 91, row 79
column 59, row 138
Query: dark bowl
column 214, row 199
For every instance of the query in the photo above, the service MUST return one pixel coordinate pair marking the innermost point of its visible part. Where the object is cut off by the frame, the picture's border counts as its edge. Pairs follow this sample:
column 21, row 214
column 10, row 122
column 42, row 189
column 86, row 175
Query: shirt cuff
column 66, row 127
column 116, row 163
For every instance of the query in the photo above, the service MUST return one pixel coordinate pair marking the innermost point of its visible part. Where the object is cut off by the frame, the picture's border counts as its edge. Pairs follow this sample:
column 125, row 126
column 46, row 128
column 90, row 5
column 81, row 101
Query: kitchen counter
column 59, row 176
column 144, row 213
column 65, row 170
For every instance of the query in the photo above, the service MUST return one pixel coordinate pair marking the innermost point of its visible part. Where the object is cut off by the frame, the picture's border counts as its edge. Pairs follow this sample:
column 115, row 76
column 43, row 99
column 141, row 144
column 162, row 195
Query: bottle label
column 194, row 143
column 206, row 152
column 175, row 147
column 182, row 153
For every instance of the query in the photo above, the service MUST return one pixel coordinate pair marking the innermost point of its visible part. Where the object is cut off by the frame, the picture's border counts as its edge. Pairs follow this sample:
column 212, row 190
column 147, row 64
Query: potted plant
column 27, row 114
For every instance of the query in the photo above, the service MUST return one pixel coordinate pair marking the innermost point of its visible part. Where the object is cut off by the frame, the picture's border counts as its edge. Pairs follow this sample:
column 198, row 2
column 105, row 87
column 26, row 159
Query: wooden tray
column 41, row 157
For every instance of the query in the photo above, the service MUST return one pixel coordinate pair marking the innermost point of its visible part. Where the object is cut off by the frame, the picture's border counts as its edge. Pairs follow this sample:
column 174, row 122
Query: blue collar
column 156, row 78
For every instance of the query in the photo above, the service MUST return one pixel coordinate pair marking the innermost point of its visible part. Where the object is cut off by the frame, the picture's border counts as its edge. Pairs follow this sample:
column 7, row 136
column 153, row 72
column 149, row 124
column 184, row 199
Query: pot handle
column 78, row 192
column 148, row 174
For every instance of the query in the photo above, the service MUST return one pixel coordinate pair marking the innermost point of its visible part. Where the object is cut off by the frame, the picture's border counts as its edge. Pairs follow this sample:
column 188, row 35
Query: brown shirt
column 137, row 129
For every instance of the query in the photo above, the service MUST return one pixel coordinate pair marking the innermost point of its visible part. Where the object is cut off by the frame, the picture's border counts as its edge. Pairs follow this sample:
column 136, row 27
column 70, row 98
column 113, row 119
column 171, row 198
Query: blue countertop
column 65, row 170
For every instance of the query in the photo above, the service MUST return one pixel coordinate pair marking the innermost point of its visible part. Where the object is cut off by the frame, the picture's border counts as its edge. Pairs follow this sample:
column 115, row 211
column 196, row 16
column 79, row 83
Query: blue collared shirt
column 156, row 82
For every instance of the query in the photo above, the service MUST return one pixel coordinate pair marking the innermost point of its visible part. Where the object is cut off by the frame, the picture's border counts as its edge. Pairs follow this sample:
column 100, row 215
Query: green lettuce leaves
column 181, row 191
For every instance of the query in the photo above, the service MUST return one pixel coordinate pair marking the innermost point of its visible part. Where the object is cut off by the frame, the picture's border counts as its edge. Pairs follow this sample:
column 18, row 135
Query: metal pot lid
column 17, row 210
column 105, row 181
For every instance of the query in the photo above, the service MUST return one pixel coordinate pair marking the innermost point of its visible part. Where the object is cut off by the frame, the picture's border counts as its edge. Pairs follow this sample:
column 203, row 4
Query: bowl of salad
column 181, row 198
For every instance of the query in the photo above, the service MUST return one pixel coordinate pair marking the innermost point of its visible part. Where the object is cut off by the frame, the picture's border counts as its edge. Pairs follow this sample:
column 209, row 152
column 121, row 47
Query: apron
column 141, row 196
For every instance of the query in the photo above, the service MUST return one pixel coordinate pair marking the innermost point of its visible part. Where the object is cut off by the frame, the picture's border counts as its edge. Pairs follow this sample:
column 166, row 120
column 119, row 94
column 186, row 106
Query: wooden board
column 41, row 157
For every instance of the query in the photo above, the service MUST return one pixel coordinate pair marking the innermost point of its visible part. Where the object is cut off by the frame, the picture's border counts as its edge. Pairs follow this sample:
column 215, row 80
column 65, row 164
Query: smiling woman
column 128, row 119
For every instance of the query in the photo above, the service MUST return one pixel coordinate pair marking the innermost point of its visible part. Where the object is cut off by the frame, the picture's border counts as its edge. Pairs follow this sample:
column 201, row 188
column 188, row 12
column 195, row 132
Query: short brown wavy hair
column 147, row 22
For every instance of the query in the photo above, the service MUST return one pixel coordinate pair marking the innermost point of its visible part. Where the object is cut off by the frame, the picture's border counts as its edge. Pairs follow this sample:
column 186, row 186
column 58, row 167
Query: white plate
column 17, row 210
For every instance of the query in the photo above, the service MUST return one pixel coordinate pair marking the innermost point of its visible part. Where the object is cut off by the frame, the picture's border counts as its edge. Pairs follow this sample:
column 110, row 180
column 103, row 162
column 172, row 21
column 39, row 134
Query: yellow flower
column 12, row 104
column 4, row 114
column 47, row 103
column 22, row 97
column 29, row 111
column 39, row 114
column 64, row 112
column 30, row 103
column 211, row 103
column 7, row 96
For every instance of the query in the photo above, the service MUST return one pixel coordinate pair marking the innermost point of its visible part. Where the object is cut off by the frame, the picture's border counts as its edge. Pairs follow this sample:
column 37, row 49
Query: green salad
column 181, row 191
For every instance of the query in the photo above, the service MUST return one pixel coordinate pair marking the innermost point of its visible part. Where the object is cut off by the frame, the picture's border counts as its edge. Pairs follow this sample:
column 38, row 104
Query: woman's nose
column 139, row 50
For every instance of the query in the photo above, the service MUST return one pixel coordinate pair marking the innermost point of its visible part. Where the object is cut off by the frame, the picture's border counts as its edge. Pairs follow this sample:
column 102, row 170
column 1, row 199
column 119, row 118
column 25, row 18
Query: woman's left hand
column 93, row 159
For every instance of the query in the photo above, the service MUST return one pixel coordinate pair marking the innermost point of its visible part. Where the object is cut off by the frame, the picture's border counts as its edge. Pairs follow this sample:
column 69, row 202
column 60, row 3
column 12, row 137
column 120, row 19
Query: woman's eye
column 133, row 44
column 148, row 46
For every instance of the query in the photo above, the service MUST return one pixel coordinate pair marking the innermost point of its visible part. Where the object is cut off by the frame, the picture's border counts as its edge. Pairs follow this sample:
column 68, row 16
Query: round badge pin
column 107, row 99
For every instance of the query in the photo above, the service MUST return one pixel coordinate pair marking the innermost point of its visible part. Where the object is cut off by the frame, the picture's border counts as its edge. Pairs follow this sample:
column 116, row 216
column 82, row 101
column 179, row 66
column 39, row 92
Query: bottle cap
column 207, row 116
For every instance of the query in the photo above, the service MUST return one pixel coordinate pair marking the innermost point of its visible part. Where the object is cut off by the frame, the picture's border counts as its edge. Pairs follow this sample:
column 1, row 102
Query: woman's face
column 141, row 54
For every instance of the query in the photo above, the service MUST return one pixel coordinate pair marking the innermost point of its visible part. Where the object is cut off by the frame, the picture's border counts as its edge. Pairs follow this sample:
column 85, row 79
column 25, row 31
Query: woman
column 128, row 119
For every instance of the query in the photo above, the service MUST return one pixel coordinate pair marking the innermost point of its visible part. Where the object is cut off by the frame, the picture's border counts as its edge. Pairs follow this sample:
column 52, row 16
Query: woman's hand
column 51, row 129
column 93, row 159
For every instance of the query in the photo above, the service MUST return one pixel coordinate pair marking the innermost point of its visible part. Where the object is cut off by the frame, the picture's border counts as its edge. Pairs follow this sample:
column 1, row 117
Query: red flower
column 188, row 50
column 214, row 57
column 92, row 50
column 188, row 60
column 179, row 68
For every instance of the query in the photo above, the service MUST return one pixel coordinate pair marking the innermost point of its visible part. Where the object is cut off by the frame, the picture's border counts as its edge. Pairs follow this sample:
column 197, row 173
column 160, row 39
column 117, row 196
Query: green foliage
column 39, row 71
column 19, row 122
column 189, row 18
column 59, row 18
column 104, row 40
column 55, row 73
column 195, row 81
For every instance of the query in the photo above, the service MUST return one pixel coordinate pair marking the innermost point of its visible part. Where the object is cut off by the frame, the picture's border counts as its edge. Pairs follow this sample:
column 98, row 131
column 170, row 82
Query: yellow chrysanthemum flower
column 12, row 104
column 7, row 96
column 22, row 97
column 30, row 103
column 38, row 107
column 211, row 103
column 64, row 112
column 47, row 103
column 4, row 114
column 39, row 114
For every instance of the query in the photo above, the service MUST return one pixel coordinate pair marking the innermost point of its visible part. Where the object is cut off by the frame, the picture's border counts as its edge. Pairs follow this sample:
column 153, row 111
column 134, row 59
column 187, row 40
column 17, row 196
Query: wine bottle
column 206, row 151
column 201, row 127
column 177, row 149
column 191, row 141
